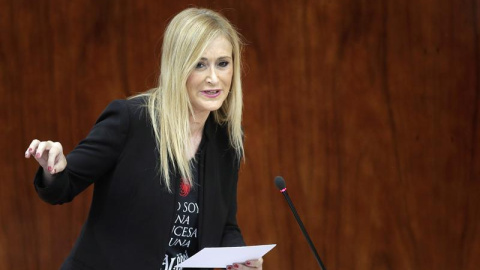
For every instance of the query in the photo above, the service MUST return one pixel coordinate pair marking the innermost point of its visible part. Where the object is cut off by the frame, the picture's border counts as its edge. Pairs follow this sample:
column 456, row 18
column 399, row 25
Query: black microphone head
column 280, row 183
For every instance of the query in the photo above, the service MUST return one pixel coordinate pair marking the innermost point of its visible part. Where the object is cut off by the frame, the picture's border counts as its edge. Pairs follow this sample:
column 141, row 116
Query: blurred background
column 368, row 109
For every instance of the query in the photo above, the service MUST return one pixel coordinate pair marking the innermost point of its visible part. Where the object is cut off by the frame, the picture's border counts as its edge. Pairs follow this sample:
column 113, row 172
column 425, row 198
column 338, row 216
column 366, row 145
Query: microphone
column 280, row 183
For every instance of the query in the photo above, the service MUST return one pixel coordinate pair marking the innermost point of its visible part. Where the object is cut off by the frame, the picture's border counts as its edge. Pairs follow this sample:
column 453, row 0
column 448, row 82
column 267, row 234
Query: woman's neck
column 197, row 124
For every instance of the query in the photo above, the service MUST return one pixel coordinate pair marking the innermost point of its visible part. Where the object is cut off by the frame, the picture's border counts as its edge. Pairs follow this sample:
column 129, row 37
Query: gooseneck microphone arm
column 280, row 183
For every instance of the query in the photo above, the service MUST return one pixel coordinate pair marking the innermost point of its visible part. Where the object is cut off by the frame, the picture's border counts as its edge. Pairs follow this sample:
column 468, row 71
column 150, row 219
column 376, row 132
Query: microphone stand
column 304, row 231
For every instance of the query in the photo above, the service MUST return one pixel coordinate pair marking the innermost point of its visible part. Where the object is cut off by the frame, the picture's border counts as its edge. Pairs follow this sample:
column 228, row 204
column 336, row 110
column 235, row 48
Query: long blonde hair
column 169, row 107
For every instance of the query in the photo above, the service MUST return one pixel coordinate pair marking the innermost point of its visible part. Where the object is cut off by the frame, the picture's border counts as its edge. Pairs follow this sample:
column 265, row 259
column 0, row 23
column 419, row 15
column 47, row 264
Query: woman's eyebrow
column 221, row 57
column 225, row 57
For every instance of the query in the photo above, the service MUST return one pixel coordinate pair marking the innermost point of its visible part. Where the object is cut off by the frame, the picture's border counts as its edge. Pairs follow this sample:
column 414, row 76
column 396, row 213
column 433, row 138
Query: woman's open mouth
column 211, row 93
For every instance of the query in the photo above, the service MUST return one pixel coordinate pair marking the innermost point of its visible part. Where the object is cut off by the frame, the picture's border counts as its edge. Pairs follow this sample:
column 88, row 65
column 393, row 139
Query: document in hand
column 221, row 257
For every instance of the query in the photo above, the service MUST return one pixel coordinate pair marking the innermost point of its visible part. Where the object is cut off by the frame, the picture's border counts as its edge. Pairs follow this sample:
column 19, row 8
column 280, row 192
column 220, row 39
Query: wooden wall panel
column 369, row 109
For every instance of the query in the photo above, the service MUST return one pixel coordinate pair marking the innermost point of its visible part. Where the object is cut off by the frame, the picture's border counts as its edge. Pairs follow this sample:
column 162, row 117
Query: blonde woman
column 164, row 164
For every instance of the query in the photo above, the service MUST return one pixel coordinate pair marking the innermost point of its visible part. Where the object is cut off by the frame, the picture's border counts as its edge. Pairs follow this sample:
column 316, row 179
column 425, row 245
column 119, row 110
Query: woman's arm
column 60, row 179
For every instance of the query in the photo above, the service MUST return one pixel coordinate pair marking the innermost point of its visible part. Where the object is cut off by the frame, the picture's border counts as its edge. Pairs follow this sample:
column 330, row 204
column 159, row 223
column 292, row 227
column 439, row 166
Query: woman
column 165, row 163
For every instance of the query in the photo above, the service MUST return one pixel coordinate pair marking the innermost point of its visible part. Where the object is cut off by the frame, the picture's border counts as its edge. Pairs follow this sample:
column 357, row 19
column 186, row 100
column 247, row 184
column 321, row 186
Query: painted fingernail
column 37, row 155
column 235, row 265
column 49, row 168
column 229, row 267
column 30, row 150
column 248, row 263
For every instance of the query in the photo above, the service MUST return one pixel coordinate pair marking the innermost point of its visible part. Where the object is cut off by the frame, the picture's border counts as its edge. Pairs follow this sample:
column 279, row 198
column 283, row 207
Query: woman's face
column 209, row 83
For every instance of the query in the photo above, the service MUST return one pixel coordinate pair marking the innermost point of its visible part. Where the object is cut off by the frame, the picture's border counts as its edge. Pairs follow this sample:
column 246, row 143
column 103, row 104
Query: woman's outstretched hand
column 49, row 155
column 250, row 265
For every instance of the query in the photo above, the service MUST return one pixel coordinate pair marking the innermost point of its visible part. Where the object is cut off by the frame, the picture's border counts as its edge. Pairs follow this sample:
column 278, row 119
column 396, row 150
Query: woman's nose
column 212, row 77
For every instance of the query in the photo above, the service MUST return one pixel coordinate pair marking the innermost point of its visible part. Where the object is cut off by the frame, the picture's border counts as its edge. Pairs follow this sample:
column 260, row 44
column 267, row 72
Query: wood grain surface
column 368, row 109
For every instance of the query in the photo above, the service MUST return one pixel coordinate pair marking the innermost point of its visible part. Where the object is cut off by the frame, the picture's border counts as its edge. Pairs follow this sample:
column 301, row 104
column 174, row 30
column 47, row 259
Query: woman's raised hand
column 49, row 155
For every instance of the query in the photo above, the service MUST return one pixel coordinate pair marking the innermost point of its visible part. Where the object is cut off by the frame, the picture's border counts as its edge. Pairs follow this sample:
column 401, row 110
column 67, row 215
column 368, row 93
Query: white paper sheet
column 221, row 257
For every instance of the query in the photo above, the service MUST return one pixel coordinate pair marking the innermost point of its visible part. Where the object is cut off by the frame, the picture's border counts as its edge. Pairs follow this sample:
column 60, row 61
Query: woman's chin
column 207, row 107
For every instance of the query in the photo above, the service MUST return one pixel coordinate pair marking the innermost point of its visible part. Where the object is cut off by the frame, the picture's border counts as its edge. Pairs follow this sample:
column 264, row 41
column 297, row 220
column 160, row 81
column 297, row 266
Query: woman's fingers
column 48, row 154
column 42, row 147
column 56, row 160
column 40, row 154
column 60, row 165
column 32, row 148
column 250, row 264
column 255, row 263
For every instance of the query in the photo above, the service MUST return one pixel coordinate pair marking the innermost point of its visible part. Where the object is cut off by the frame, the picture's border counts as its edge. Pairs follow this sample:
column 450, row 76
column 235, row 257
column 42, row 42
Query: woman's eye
column 223, row 64
column 200, row 65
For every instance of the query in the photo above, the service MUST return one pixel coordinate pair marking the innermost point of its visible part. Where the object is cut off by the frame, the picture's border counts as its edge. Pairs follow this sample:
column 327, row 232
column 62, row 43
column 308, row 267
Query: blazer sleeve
column 232, row 236
column 93, row 158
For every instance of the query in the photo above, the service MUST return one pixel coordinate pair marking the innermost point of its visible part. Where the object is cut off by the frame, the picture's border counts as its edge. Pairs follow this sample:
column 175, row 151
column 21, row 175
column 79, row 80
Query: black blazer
column 131, row 215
